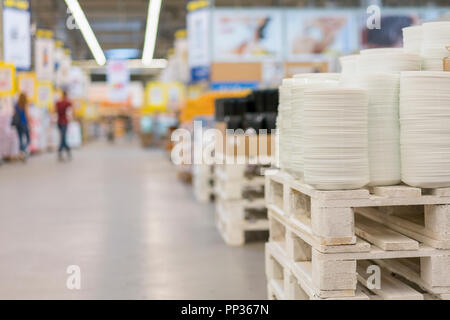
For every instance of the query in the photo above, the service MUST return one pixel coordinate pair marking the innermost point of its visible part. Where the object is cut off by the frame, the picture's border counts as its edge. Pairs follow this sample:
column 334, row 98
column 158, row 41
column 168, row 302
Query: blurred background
column 134, row 71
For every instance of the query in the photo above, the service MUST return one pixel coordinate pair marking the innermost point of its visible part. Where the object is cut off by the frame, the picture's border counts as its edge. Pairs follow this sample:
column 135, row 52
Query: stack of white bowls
column 412, row 39
column 436, row 36
column 301, row 83
column 284, row 123
column 335, row 138
column 425, row 128
column 387, row 60
column 384, row 128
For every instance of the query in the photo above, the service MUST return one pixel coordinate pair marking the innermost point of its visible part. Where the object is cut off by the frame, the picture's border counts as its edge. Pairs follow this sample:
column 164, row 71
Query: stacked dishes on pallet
column 412, row 39
column 349, row 64
column 435, row 39
column 349, row 67
column 425, row 128
column 301, row 83
column 387, row 60
column 384, row 130
column 335, row 138
column 284, row 123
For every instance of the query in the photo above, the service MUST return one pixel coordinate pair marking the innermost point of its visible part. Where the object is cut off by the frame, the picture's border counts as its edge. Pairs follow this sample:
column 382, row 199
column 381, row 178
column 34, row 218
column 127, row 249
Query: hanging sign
column 45, row 55
column 118, row 76
column 27, row 83
column 7, row 78
column 45, row 94
column 16, row 33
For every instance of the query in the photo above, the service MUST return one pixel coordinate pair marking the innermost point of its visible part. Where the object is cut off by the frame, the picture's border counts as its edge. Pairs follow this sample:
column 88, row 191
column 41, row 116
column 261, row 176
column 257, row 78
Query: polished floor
column 119, row 213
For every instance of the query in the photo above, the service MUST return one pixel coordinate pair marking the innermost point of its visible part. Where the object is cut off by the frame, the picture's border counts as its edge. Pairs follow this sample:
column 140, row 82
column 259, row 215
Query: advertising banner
column 78, row 81
column 118, row 77
column 7, row 78
column 16, row 33
column 247, row 35
column 199, row 45
column 155, row 97
column 45, row 94
column 311, row 33
column 27, row 83
column 63, row 64
column 45, row 55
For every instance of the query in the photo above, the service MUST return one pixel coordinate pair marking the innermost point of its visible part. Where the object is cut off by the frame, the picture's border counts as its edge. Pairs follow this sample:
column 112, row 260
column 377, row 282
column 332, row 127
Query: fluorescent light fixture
column 133, row 64
column 86, row 31
column 151, row 31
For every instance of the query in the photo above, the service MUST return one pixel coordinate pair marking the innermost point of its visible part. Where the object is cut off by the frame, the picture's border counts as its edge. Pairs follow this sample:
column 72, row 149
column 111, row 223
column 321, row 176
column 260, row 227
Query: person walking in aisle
column 62, row 106
column 21, row 121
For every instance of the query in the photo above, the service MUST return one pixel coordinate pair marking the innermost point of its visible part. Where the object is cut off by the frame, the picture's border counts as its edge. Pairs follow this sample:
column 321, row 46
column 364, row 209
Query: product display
column 384, row 130
column 284, row 125
column 256, row 111
column 387, row 60
column 300, row 84
column 335, row 138
column 412, row 39
column 435, row 39
column 425, row 128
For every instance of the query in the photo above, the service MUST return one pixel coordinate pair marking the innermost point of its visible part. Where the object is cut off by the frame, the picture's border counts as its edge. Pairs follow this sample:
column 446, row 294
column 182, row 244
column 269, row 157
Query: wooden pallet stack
column 203, row 182
column 240, row 205
column 330, row 244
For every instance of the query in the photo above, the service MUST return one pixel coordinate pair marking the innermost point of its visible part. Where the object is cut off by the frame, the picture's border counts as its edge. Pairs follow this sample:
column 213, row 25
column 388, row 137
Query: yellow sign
column 196, row 5
column 45, row 95
column 59, row 44
column 181, row 34
column 27, row 83
column 17, row 4
column 44, row 33
column 155, row 98
column 7, row 79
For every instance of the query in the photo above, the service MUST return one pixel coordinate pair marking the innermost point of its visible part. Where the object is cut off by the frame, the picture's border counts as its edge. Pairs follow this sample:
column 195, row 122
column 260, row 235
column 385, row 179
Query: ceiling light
column 151, row 31
column 86, row 31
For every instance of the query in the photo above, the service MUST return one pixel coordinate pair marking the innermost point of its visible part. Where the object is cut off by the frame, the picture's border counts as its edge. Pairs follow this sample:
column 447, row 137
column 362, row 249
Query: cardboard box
column 447, row 61
column 236, row 72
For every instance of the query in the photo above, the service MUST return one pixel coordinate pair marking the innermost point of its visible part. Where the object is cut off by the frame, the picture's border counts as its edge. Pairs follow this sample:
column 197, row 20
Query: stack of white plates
column 436, row 36
column 384, row 127
column 335, row 138
column 425, row 128
column 349, row 68
column 412, row 39
column 381, row 50
column 284, row 123
column 302, row 82
column 349, row 64
column 387, row 60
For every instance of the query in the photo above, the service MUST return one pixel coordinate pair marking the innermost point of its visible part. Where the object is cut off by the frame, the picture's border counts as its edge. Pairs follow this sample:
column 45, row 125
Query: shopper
column 21, row 121
column 62, row 107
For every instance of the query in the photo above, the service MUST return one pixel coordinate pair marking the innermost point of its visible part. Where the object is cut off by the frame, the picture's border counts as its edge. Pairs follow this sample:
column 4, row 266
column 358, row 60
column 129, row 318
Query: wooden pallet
column 329, row 216
column 203, row 188
column 204, row 194
column 333, row 271
column 240, row 171
column 239, row 189
column 290, row 281
column 235, row 219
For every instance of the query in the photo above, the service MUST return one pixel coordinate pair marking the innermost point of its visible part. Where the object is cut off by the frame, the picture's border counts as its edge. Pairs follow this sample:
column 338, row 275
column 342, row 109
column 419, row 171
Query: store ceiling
column 121, row 23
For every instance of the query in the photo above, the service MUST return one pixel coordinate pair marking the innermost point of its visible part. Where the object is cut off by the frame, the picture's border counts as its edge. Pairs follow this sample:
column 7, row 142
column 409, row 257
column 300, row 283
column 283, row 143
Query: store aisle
column 119, row 213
